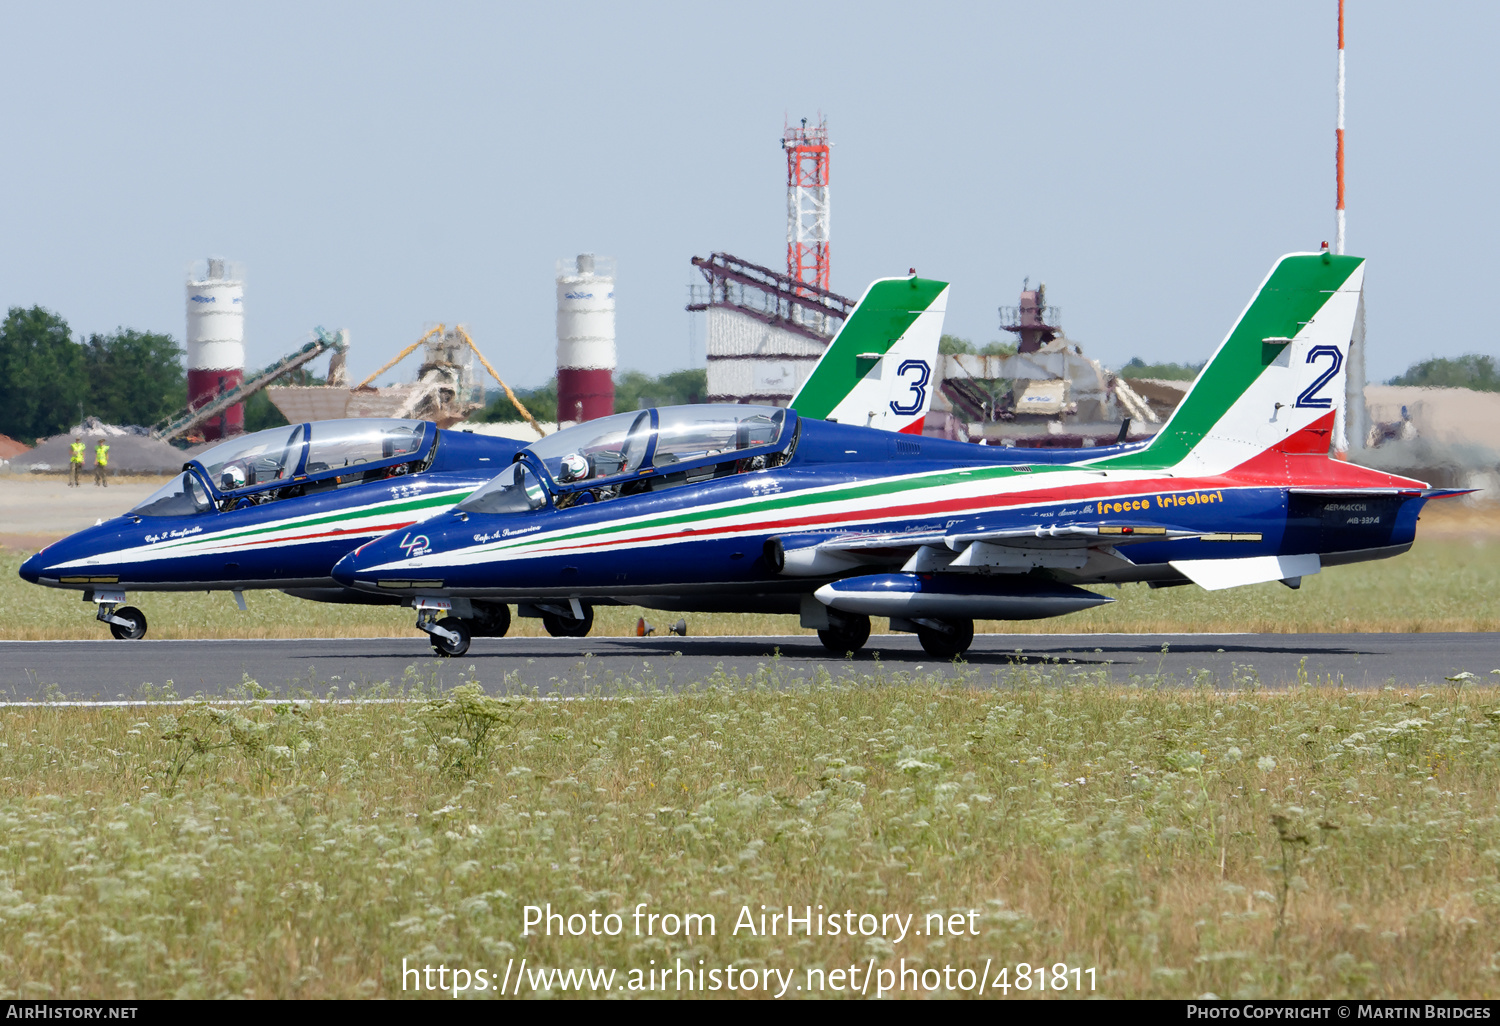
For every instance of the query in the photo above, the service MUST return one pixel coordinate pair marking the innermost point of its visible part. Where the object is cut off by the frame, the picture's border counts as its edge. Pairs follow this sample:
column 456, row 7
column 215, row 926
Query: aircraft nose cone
column 389, row 562
column 358, row 563
column 31, row 570
column 345, row 569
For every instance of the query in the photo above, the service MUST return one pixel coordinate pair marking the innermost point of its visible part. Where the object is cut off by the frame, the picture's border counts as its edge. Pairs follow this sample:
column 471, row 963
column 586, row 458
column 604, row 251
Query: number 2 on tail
column 1310, row 397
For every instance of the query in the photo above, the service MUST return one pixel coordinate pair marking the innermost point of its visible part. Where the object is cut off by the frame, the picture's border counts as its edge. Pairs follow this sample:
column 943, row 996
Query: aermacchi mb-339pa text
column 744, row 508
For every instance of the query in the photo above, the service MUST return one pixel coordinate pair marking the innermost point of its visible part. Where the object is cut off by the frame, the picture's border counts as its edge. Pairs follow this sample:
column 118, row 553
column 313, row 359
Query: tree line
column 49, row 381
column 1473, row 370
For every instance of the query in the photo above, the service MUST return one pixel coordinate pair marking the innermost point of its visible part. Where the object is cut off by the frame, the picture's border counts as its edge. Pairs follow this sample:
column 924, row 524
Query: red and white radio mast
column 807, row 202
column 1338, row 228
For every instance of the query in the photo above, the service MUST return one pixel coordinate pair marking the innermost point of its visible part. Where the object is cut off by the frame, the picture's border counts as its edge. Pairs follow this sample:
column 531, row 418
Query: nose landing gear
column 126, row 623
column 449, row 635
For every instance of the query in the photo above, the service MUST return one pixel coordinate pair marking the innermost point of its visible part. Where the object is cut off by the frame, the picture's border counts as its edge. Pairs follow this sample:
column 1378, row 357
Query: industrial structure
column 807, row 220
column 447, row 388
column 216, row 344
column 1048, row 393
column 766, row 330
column 212, row 410
column 1030, row 319
column 585, row 338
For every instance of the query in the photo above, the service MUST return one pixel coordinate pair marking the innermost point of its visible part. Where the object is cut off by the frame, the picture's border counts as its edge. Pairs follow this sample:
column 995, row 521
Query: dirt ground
column 38, row 509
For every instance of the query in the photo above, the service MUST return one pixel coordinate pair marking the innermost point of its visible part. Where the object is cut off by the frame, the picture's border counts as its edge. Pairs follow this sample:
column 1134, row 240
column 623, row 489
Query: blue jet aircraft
column 276, row 509
column 754, row 509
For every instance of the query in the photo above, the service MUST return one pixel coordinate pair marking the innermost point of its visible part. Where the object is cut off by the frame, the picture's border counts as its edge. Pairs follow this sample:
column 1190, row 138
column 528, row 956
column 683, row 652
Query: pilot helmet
column 232, row 478
column 575, row 467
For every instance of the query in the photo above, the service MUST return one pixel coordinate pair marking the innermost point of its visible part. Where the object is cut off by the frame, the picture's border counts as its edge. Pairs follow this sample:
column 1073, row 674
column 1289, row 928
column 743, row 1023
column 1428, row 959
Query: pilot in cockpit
column 574, row 467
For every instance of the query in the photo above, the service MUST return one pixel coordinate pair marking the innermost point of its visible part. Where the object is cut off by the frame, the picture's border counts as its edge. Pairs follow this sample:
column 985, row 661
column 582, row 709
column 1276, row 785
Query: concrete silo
column 585, row 338
column 216, row 344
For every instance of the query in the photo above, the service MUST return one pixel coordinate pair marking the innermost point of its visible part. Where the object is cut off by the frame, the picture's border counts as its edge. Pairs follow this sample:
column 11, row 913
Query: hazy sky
column 382, row 167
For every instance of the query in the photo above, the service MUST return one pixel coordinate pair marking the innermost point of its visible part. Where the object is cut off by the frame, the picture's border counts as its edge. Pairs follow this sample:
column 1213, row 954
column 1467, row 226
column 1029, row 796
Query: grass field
column 1444, row 584
column 1310, row 843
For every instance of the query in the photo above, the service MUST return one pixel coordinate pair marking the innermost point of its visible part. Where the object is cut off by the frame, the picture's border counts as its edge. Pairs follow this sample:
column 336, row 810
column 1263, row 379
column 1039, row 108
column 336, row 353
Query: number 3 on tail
column 1310, row 397
column 918, row 387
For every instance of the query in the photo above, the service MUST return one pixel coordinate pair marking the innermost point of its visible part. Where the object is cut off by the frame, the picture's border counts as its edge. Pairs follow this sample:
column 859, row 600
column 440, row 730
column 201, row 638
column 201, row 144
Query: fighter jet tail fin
column 1277, row 379
column 880, row 369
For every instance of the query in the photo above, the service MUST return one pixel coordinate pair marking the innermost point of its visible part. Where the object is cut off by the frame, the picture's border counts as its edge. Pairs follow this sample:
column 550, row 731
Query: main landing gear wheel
column 567, row 626
column 490, row 621
column 137, row 628
column 445, row 647
column 845, row 634
column 949, row 640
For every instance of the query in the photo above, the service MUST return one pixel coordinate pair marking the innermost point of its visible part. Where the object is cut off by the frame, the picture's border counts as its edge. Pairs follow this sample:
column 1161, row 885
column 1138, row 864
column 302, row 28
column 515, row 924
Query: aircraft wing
column 890, row 541
column 973, row 546
column 1218, row 574
column 1064, row 546
column 1068, row 535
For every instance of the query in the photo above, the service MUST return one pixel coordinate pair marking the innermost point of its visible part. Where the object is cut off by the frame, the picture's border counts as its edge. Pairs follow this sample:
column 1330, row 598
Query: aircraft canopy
column 256, row 458
column 184, row 495
column 630, row 443
column 279, row 454
column 336, row 444
column 514, row 490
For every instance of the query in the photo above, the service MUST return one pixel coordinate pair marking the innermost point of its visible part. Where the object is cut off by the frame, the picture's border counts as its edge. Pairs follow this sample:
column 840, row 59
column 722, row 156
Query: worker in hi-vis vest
column 101, row 463
column 75, row 461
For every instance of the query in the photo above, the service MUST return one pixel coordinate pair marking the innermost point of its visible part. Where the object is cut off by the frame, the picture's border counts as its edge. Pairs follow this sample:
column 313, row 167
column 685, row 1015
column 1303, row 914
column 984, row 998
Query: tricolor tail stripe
column 884, row 313
column 1291, row 296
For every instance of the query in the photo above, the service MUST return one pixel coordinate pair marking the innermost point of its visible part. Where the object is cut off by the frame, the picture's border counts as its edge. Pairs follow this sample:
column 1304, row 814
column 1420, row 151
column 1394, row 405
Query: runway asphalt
column 111, row 670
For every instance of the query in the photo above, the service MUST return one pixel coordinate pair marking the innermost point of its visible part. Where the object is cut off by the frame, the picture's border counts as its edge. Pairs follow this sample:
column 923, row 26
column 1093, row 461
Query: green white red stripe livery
column 839, row 521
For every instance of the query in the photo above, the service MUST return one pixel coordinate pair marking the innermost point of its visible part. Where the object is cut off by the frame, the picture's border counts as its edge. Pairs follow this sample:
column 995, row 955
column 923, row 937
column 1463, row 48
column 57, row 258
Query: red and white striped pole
column 1351, row 426
column 1338, row 229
